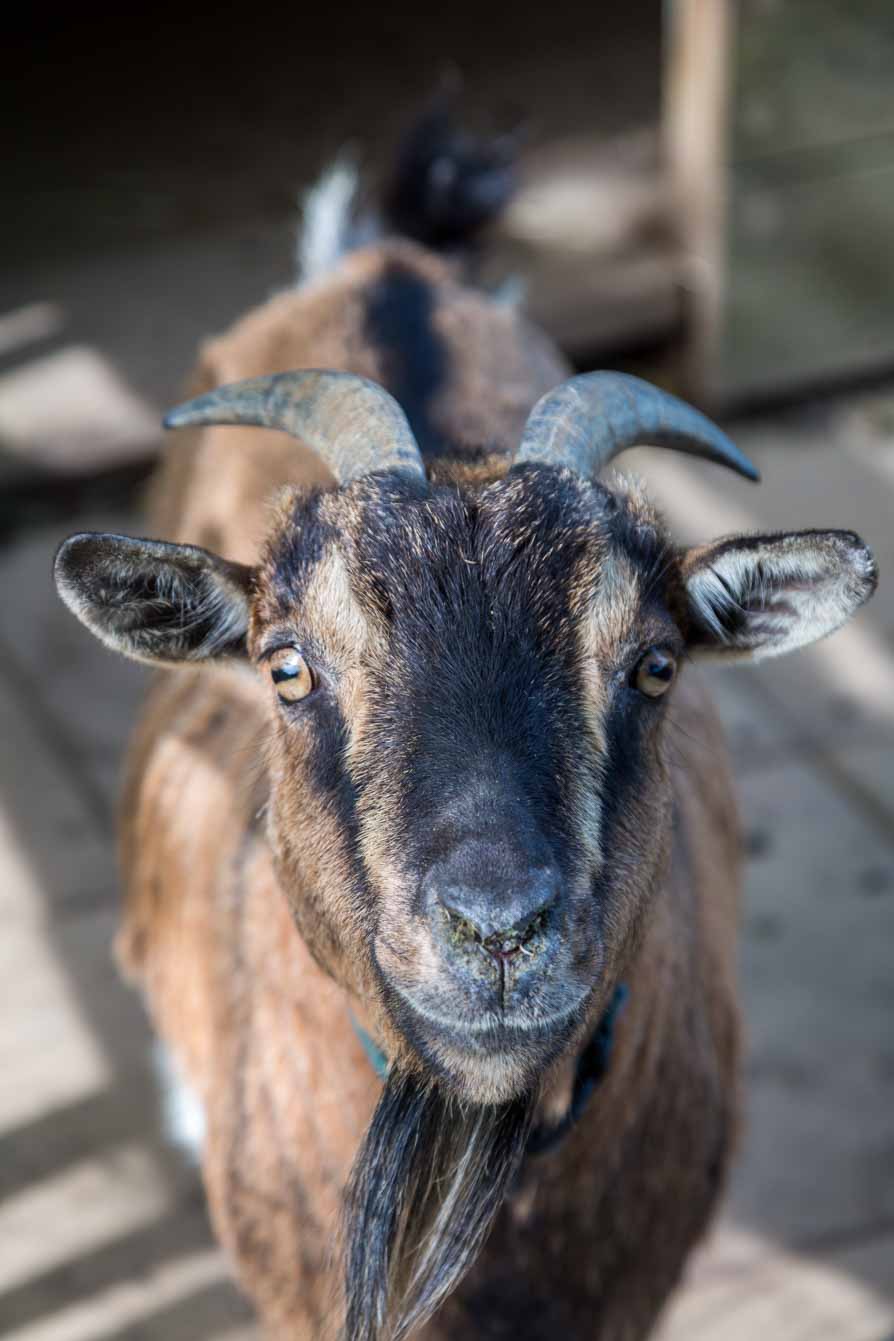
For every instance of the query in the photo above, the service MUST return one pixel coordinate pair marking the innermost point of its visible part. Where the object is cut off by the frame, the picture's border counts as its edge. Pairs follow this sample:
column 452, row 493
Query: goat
column 411, row 798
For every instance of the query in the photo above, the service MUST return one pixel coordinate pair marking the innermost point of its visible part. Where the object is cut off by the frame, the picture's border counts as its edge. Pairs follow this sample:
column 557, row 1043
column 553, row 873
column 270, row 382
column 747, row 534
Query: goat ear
column 759, row 596
column 165, row 604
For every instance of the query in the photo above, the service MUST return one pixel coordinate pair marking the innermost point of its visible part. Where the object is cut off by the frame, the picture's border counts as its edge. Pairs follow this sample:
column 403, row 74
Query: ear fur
column 758, row 596
column 155, row 602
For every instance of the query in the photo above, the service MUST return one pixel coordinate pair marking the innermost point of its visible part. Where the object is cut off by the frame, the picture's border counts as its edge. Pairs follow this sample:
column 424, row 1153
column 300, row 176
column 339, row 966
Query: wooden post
column 779, row 144
column 695, row 134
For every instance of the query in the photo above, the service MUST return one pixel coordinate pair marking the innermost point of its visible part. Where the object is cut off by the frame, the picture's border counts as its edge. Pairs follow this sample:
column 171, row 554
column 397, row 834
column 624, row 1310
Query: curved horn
column 589, row 419
column 354, row 425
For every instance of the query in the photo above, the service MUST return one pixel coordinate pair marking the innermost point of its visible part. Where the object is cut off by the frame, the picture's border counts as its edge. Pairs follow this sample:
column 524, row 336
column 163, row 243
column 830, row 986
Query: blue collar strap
column 377, row 1059
column 592, row 1066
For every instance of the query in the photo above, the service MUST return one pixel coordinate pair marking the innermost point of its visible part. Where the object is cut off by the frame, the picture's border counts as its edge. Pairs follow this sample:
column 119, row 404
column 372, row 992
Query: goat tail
column 448, row 184
column 445, row 187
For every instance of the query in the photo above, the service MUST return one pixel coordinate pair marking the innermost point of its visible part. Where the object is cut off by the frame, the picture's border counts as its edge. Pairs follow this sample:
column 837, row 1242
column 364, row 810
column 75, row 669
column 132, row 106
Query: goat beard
column 426, row 1186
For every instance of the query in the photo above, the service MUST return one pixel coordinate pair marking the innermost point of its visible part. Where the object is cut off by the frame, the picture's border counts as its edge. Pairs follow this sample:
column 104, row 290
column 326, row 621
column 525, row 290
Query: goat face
column 469, row 799
column 460, row 743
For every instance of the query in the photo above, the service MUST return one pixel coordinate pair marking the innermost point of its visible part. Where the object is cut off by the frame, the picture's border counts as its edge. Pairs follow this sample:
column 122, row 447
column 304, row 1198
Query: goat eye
column 654, row 673
column 291, row 674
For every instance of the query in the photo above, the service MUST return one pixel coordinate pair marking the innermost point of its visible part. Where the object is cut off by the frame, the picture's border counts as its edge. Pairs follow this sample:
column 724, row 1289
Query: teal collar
column 377, row 1058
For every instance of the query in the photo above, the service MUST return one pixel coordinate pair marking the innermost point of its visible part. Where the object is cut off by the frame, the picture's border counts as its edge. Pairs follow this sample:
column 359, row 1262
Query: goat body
column 419, row 774
column 594, row 1234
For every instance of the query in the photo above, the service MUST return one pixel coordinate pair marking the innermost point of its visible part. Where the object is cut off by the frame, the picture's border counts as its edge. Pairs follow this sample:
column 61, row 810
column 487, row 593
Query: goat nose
column 501, row 917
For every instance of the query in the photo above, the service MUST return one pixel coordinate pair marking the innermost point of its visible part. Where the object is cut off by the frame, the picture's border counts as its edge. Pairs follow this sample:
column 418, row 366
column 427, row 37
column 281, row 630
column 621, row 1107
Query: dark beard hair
column 426, row 1185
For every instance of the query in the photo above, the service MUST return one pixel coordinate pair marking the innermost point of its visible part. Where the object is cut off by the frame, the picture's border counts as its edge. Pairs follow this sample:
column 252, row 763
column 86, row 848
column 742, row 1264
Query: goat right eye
column 654, row 673
column 291, row 674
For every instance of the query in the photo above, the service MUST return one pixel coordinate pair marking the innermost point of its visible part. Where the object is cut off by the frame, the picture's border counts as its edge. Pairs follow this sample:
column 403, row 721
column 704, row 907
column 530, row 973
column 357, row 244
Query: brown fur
column 237, row 932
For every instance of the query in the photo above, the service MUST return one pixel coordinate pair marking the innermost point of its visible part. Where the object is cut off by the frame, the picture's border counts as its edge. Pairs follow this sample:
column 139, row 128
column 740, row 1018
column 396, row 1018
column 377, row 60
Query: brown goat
column 426, row 775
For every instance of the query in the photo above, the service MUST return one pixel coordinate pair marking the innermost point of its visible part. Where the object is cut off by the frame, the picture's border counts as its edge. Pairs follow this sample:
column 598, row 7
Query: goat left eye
column 654, row 673
column 291, row 674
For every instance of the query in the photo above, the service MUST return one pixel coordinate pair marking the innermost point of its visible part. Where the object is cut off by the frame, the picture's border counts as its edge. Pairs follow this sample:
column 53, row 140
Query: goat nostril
column 503, row 943
column 480, row 900
column 513, row 940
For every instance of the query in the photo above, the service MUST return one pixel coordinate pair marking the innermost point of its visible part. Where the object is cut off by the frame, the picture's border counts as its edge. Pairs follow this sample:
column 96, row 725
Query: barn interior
column 706, row 194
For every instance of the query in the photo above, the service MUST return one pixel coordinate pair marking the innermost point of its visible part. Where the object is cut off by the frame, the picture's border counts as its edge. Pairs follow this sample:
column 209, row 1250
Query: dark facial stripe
column 482, row 667
column 297, row 552
column 325, row 764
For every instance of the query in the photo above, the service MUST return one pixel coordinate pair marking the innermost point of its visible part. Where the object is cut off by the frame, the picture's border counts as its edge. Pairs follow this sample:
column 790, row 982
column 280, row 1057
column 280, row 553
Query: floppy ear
column 155, row 602
column 759, row 596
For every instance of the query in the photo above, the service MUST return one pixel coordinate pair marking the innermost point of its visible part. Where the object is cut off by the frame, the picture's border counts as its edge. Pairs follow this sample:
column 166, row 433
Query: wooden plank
column 71, row 412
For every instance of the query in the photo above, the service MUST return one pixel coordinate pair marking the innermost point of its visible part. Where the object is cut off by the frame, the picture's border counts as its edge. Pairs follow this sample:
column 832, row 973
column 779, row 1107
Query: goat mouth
column 492, row 1055
column 492, row 1031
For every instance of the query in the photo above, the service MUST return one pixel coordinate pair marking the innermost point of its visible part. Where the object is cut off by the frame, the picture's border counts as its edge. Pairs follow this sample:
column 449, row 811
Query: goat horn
column 355, row 426
column 587, row 421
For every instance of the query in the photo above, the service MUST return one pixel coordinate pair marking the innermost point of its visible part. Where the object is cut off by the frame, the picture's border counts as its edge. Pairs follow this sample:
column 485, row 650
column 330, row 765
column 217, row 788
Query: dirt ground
column 102, row 1227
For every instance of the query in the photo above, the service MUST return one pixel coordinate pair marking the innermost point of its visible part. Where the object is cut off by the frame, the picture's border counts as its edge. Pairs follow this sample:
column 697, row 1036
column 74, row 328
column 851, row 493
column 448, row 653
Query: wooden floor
column 102, row 1229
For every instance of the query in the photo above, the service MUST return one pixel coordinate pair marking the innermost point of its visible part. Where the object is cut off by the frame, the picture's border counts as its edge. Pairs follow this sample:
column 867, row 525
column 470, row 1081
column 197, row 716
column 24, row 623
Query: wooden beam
column 695, row 132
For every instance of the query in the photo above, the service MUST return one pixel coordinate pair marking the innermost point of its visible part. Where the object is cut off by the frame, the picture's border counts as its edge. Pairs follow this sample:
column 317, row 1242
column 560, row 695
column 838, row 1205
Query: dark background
column 130, row 133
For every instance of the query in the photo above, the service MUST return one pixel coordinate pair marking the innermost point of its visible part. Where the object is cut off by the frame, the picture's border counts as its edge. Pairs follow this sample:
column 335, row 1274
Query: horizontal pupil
column 286, row 673
column 661, row 670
